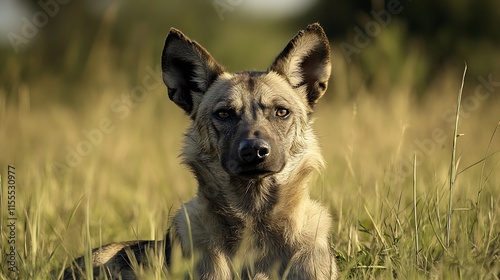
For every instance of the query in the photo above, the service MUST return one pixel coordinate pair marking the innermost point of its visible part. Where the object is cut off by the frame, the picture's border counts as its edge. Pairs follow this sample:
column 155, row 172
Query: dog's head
column 252, row 123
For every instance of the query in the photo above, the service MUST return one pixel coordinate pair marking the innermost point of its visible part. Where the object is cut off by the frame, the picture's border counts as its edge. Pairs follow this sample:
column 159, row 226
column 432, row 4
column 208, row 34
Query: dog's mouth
column 255, row 173
column 245, row 171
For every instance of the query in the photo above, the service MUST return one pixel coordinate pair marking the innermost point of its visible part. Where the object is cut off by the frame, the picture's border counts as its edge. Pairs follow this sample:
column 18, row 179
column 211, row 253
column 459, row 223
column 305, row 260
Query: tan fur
column 252, row 216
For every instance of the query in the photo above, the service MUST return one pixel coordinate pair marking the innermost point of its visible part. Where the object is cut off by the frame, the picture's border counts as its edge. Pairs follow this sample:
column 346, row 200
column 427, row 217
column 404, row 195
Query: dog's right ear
column 188, row 70
column 305, row 63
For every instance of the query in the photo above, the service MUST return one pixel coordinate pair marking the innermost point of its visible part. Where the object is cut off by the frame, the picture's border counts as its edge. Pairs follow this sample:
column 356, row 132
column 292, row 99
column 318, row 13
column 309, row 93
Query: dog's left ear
column 305, row 63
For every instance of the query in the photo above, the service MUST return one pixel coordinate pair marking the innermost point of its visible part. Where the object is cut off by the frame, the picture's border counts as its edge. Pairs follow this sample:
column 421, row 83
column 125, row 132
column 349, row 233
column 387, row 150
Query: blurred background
column 85, row 118
column 59, row 42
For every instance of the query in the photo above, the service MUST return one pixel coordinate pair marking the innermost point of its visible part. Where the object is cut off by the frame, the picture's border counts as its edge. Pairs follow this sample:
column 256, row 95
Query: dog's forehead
column 251, row 86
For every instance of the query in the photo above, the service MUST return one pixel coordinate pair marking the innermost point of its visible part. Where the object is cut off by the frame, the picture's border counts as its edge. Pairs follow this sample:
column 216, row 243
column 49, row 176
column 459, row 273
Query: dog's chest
column 262, row 246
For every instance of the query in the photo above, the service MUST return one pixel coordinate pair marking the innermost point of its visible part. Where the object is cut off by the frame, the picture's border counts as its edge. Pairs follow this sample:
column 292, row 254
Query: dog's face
column 251, row 123
column 250, row 117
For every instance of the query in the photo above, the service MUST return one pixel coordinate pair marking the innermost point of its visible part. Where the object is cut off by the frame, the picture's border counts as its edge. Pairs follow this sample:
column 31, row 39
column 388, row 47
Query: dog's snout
column 254, row 150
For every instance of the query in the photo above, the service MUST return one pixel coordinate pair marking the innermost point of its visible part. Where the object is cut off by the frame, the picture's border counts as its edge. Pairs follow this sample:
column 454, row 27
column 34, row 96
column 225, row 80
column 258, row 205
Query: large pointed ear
column 305, row 63
column 188, row 70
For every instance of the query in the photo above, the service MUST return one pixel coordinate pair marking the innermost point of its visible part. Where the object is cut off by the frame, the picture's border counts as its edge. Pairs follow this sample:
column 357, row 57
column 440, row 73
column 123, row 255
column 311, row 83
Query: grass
column 385, row 183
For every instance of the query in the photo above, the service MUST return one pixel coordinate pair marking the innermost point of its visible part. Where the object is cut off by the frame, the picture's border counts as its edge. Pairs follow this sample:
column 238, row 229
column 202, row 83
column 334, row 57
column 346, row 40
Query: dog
column 252, row 149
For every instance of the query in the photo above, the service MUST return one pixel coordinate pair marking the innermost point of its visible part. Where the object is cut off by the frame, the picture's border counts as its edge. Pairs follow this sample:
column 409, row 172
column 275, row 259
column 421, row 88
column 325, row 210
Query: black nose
column 254, row 150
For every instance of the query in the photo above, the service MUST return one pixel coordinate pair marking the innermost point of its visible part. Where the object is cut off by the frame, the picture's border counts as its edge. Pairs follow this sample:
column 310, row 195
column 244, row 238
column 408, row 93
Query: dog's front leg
column 318, row 263
column 214, row 266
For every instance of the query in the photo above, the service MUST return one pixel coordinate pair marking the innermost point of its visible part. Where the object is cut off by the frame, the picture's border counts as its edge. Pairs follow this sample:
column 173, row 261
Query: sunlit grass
column 130, row 180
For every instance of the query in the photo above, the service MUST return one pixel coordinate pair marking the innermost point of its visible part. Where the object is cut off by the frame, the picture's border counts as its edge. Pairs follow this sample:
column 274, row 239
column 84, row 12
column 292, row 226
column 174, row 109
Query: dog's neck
column 238, row 199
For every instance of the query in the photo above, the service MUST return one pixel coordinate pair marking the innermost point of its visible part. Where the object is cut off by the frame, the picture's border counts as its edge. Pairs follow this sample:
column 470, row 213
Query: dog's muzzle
column 253, row 158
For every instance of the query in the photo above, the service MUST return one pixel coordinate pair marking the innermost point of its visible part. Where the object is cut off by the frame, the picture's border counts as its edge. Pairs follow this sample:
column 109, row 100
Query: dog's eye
column 223, row 114
column 282, row 112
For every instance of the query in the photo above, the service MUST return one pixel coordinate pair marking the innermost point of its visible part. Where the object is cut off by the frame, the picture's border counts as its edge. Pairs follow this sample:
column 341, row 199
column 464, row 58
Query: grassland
column 106, row 169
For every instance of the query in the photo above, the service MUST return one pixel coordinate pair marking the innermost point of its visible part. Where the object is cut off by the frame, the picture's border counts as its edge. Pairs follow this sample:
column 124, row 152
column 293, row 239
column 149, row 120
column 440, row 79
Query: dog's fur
column 252, row 150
